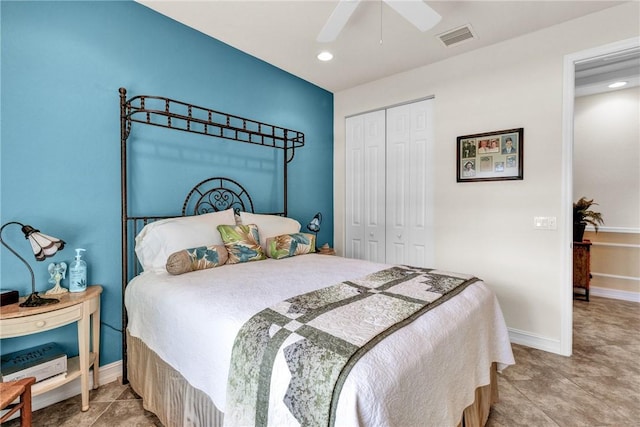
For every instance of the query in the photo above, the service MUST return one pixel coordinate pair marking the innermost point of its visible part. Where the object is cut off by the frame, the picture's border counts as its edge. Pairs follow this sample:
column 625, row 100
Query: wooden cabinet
column 581, row 268
column 82, row 308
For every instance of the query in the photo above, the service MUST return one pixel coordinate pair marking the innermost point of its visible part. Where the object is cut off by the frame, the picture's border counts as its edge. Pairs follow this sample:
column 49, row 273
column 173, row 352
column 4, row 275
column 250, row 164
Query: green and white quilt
column 312, row 341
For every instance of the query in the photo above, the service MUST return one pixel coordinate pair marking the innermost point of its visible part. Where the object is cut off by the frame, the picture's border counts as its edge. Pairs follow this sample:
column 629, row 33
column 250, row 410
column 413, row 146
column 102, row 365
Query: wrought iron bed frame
column 212, row 194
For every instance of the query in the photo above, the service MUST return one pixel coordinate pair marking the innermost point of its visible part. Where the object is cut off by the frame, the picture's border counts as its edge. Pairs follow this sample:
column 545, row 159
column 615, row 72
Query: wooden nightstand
column 80, row 307
column 582, row 267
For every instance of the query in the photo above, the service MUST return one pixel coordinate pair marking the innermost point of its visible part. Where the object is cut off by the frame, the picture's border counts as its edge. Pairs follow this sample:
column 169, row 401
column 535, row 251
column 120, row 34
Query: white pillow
column 159, row 239
column 270, row 225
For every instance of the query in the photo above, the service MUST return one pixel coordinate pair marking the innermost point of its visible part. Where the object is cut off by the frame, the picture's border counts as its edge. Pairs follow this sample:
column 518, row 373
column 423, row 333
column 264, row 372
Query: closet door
column 409, row 210
column 365, row 187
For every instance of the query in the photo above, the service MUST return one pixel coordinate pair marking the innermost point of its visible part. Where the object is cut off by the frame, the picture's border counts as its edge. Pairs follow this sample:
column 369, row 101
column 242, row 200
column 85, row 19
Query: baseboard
column 534, row 341
column 614, row 294
column 107, row 374
column 528, row 339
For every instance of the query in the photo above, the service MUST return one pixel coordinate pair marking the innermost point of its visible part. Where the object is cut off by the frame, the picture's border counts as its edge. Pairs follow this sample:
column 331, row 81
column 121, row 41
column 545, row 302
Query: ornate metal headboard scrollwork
column 217, row 194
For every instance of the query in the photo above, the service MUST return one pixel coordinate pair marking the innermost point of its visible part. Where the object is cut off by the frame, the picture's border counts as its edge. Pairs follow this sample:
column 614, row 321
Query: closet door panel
column 354, row 227
column 421, row 239
column 398, row 134
column 418, row 236
column 355, row 198
column 375, row 200
column 398, row 185
column 409, row 235
column 365, row 158
column 374, row 177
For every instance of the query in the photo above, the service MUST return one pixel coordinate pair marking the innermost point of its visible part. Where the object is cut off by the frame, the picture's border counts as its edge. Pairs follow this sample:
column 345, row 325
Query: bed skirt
column 176, row 403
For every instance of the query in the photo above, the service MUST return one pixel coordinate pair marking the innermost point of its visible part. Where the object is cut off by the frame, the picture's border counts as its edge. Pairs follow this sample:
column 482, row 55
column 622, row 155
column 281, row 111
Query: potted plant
column 583, row 215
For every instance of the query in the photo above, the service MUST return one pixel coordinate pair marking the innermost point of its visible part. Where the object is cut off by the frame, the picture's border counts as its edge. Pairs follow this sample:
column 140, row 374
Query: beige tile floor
column 598, row 386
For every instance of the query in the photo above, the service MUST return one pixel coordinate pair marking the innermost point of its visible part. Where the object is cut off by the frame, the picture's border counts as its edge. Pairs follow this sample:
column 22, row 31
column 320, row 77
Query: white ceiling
column 283, row 33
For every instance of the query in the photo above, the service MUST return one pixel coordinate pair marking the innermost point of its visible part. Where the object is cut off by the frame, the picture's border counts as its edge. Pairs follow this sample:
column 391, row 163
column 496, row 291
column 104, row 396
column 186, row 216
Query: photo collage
column 490, row 156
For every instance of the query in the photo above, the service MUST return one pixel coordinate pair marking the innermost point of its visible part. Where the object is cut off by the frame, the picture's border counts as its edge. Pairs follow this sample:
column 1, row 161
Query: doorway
column 569, row 93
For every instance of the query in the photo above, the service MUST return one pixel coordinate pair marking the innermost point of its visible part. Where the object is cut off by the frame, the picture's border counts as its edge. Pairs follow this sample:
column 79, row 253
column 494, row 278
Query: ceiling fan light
column 617, row 85
column 325, row 56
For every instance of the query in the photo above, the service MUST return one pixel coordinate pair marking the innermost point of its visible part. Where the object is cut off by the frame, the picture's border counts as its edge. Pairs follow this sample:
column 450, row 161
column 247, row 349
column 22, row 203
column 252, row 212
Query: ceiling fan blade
column 337, row 20
column 417, row 12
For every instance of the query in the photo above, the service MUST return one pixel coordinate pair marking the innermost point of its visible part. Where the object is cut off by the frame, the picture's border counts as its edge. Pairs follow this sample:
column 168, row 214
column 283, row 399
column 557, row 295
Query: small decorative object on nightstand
column 57, row 273
column 326, row 250
column 82, row 308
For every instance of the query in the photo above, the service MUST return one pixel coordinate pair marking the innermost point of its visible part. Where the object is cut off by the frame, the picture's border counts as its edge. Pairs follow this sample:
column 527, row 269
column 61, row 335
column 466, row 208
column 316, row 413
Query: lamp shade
column 314, row 224
column 43, row 246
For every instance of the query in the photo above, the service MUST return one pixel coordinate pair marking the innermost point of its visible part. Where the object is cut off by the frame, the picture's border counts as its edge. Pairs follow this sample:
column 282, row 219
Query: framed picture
column 490, row 156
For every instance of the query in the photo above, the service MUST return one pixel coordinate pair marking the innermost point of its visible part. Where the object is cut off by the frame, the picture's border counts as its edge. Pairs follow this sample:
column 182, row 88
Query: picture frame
column 490, row 156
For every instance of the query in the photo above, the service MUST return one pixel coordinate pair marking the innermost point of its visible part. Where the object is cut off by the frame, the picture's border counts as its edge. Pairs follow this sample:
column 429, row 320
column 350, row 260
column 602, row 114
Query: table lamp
column 314, row 226
column 43, row 246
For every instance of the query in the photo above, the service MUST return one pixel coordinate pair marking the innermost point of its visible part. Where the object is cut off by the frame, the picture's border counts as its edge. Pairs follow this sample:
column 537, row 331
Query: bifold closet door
column 365, row 194
column 409, row 184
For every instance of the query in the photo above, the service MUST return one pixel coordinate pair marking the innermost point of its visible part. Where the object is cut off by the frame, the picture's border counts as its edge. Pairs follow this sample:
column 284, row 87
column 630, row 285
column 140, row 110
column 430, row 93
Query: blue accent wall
column 62, row 64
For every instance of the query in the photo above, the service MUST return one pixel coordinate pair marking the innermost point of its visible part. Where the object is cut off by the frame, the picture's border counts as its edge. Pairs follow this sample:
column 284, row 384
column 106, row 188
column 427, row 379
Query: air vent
column 457, row 35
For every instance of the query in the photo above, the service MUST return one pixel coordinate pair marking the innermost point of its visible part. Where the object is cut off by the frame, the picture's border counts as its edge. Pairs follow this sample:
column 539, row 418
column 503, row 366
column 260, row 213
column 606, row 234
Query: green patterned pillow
column 242, row 243
column 199, row 258
column 288, row 245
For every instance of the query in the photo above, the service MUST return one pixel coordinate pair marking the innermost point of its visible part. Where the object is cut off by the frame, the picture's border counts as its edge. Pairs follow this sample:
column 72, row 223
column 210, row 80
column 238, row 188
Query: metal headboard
column 210, row 195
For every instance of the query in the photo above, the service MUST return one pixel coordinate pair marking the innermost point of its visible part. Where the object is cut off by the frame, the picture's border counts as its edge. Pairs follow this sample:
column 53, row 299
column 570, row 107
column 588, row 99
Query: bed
column 189, row 340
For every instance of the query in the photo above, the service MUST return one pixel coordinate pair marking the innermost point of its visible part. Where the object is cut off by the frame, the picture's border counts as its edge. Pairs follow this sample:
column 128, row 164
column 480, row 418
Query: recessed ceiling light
column 617, row 84
column 325, row 56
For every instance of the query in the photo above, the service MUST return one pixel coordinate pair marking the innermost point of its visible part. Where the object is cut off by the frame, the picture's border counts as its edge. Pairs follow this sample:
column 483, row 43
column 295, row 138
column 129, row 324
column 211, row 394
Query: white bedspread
column 426, row 371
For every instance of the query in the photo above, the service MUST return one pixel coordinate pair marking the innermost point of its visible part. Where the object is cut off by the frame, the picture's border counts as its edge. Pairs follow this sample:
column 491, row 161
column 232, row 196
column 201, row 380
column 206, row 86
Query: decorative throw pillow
column 199, row 258
column 288, row 245
column 242, row 242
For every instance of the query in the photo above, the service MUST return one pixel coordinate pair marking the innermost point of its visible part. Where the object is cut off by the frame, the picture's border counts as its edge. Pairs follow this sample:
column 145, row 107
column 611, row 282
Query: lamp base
column 34, row 300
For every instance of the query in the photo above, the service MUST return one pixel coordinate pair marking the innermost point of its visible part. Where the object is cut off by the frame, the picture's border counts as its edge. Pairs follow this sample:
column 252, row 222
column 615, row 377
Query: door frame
column 566, row 236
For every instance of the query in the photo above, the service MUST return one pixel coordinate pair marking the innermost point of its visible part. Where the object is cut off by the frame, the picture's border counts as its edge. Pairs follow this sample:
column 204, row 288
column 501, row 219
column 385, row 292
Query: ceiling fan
column 415, row 11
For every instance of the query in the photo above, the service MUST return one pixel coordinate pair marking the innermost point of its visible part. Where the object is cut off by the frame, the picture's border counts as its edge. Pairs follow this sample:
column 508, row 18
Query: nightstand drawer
column 40, row 322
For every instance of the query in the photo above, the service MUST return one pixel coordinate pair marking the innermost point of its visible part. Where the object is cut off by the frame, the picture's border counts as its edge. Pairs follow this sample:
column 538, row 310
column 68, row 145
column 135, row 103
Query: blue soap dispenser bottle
column 78, row 273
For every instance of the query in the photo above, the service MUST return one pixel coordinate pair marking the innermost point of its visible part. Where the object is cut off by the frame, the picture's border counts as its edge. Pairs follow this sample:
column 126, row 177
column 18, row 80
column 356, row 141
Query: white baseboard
column 528, row 339
column 107, row 374
column 614, row 294
column 534, row 341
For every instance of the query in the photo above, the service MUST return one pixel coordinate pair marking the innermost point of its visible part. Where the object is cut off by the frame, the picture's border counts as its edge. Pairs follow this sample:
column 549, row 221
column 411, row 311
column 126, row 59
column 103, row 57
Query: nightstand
column 82, row 308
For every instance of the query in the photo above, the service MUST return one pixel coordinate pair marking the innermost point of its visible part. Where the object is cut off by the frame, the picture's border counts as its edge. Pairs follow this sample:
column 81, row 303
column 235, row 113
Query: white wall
column 487, row 228
column 606, row 155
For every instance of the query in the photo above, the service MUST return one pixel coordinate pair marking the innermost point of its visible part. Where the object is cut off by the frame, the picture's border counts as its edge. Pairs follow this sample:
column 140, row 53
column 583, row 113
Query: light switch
column 541, row 222
column 545, row 223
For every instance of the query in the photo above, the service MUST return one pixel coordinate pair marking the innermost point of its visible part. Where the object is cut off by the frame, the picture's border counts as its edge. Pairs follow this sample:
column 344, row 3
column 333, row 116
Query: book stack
column 42, row 362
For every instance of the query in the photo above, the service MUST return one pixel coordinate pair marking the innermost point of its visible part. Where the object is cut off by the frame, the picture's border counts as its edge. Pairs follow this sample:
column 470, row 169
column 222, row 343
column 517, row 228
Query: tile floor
column 598, row 386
